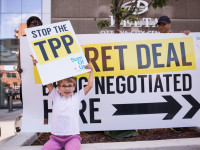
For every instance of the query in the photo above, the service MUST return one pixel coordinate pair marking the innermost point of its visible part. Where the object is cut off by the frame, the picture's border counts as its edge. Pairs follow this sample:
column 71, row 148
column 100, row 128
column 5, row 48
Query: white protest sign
column 57, row 50
column 141, row 81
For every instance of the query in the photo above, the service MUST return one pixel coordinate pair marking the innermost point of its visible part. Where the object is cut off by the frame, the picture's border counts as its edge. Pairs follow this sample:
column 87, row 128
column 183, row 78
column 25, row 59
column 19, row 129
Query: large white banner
column 141, row 81
column 57, row 50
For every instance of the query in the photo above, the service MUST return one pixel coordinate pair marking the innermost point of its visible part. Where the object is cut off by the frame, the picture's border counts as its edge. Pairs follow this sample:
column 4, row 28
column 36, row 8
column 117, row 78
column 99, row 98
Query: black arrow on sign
column 195, row 106
column 171, row 107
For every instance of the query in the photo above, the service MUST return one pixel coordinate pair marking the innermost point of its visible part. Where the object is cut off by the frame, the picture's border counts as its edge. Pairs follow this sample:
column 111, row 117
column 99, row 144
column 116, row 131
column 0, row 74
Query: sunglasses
column 65, row 86
column 36, row 23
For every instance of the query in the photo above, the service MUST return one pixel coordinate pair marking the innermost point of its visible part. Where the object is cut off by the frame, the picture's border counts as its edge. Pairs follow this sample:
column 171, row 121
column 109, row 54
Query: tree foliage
column 121, row 13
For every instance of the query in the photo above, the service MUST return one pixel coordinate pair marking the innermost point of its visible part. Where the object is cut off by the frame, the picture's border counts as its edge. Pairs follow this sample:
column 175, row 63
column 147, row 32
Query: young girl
column 65, row 115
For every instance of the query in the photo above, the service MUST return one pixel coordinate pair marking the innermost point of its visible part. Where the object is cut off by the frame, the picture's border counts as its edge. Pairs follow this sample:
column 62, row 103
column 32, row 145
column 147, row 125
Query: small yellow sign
column 55, row 47
column 36, row 75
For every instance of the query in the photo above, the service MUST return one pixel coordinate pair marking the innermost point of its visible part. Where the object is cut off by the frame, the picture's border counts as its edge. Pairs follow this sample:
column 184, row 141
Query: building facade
column 13, row 16
column 183, row 13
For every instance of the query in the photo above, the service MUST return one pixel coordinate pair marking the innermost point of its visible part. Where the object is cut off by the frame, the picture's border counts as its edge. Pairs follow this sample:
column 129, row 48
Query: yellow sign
column 36, row 75
column 55, row 47
column 141, row 57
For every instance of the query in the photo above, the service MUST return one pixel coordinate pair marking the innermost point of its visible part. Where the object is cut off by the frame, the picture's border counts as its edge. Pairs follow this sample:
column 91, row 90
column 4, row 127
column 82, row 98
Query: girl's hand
column 90, row 79
column 19, row 70
column 34, row 60
column 89, row 66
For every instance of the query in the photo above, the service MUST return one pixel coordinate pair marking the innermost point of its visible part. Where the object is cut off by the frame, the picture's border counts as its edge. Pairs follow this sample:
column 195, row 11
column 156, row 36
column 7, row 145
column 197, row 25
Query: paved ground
column 7, row 121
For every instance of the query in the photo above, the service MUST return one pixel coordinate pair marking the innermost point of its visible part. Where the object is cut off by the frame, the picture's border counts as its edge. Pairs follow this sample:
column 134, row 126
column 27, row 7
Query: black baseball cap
column 164, row 19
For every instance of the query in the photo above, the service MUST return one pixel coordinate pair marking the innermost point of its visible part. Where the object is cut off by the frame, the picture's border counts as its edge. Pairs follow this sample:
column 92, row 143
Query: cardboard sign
column 141, row 81
column 57, row 50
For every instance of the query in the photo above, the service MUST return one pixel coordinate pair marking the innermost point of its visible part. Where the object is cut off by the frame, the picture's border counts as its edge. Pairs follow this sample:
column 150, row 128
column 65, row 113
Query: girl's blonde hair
column 69, row 80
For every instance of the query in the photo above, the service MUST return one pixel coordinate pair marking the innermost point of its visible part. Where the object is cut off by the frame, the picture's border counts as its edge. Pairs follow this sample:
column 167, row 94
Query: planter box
column 23, row 141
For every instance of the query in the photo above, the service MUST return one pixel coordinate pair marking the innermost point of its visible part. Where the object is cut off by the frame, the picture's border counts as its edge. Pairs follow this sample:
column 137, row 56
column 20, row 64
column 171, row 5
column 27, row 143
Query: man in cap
column 164, row 25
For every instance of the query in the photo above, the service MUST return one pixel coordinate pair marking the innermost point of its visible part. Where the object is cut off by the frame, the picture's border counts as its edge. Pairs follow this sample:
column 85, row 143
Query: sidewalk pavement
column 7, row 122
column 21, row 141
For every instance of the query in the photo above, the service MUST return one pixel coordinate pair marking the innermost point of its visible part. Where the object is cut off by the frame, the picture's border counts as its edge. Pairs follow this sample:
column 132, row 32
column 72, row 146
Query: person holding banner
column 33, row 21
column 164, row 26
column 65, row 114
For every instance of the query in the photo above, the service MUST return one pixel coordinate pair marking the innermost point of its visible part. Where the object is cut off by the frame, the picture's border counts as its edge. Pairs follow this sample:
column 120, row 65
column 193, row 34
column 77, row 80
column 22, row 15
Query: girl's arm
column 19, row 69
column 90, row 79
column 49, row 86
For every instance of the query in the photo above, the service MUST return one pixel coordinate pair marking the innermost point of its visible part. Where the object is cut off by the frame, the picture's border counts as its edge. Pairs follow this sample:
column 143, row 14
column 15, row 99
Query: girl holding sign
column 65, row 115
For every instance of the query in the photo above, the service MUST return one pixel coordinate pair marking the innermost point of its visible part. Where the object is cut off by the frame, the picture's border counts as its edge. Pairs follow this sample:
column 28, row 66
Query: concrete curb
column 22, row 141
column 174, row 144
column 19, row 141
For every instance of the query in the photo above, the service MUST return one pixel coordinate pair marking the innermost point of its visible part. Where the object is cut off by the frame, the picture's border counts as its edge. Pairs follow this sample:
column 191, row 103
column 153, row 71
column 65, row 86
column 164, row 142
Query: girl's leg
column 52, row 144
column 74, row 143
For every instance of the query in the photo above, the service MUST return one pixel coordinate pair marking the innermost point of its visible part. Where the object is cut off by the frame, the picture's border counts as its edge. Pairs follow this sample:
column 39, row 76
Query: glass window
column 8, row 52
column 0, row 27
column 11, row 6
column 11, row 75
column 10, row 22
column 14, row 42
column 8, row 75
column 26, row 16
column 30, row 6
column 14, row 84
column 12, row 14
column 1, row 74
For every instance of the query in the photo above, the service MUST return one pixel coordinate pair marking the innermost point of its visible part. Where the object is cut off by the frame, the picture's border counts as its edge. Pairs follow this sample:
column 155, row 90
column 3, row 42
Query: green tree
column 121, row 13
